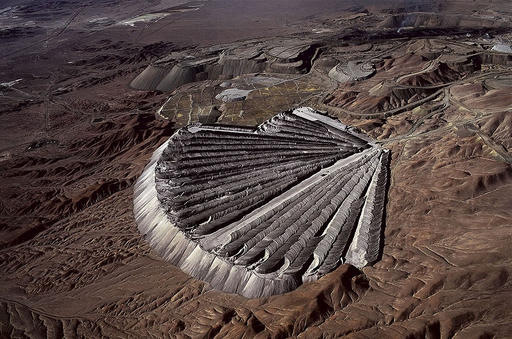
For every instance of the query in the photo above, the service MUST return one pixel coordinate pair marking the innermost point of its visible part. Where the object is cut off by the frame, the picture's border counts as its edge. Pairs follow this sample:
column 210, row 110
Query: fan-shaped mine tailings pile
column 291, row 57
column 259, row 211
column 351, row 71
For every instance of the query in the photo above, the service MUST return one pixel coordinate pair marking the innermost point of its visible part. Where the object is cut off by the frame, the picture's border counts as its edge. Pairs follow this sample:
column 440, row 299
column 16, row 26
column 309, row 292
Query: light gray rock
column 502, row 48
column 232, row 94
column 351, row 71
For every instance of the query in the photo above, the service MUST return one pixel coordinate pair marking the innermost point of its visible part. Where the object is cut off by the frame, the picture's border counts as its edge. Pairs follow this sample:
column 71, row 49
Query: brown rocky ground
column 74, row 139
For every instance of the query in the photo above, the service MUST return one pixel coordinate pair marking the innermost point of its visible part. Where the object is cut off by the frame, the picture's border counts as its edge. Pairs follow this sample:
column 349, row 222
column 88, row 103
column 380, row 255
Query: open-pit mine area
column 255, row 169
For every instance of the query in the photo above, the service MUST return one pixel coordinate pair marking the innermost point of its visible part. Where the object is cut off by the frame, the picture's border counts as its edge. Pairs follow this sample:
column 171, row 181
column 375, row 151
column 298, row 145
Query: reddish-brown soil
column 74, row 138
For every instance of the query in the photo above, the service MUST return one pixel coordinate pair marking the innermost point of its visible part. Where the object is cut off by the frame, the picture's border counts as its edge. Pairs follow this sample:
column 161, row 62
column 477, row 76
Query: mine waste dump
column 292, row 56
column 258, row 211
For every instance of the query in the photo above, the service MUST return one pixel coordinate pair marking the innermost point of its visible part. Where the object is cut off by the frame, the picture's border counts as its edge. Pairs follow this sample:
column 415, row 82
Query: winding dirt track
column 74, row 264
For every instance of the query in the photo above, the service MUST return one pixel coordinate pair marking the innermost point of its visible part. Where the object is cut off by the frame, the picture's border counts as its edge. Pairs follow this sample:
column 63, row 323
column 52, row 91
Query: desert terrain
column 89, row 90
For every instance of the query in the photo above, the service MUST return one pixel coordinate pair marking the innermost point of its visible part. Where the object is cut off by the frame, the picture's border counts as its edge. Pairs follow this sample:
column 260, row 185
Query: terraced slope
column 288, row 56
column 257, row 212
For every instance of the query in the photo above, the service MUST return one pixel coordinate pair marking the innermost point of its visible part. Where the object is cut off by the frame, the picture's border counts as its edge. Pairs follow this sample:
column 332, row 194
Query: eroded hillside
column 432, row 88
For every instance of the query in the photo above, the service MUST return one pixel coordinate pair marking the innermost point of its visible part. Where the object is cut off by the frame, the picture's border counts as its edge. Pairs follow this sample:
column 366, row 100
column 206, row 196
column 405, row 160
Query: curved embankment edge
column 175, row 246
column 187, row 254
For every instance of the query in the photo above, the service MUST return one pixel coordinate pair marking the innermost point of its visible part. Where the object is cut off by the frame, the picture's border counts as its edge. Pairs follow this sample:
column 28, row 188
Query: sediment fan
column 259, row 211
